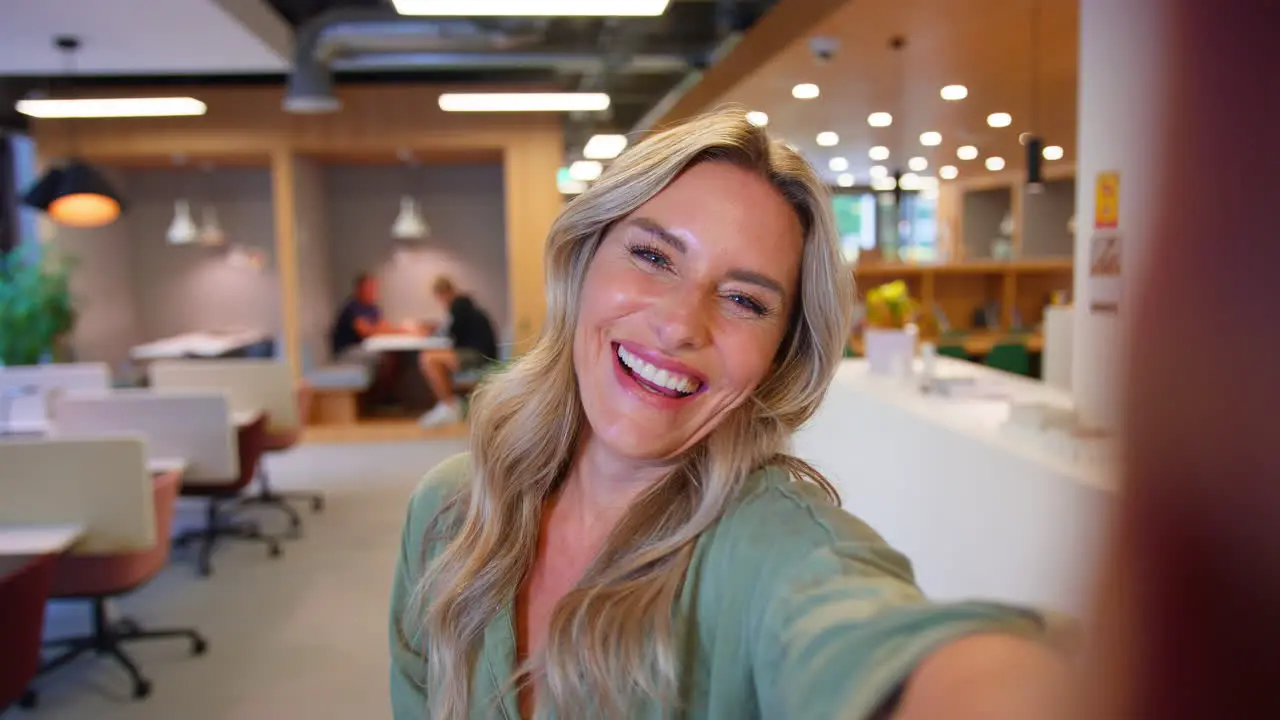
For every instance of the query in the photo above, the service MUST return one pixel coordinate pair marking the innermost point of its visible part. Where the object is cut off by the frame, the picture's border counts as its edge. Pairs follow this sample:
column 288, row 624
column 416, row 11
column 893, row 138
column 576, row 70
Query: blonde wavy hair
column 612, row 639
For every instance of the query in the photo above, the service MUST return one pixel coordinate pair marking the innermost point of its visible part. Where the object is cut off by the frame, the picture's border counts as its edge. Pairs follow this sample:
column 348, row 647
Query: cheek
column 748, row 357
column 610, row 290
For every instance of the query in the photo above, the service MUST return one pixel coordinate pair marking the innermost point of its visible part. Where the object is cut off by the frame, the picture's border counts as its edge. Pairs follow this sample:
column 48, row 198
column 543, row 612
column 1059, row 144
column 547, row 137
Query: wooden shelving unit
column 960, row 288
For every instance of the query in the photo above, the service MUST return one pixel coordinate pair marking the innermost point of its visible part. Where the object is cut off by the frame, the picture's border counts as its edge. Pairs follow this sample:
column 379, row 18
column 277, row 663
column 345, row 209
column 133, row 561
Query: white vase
column 889, row 352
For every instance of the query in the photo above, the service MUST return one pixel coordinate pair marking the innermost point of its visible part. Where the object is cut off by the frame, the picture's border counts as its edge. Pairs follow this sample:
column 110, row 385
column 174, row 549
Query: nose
column 681, row 321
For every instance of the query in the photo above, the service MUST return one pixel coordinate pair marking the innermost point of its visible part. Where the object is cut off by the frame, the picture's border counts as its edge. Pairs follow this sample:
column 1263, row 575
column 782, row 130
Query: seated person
column 359, row 318
column 474, row 346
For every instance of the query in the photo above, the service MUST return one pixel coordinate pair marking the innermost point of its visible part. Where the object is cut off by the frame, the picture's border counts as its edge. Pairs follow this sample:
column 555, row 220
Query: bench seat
column 335, row 391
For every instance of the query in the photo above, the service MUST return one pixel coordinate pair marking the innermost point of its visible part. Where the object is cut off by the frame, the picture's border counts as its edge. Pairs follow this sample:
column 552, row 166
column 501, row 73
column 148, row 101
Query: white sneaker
column 442, row 414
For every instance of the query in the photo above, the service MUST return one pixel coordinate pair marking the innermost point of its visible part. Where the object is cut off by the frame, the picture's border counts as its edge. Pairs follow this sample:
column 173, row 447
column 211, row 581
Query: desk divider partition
column 194, row 427
column 252, row 386
column 100, row 484
column 25, row 390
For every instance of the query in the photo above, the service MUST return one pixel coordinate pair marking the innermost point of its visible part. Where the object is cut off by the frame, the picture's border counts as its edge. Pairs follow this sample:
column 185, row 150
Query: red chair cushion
column 24, row 591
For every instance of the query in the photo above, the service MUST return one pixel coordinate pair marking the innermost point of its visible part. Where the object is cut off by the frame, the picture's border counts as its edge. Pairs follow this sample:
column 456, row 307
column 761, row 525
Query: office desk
column 405, row 343
column 163, row 465
column 23, row 540
column 196, row 344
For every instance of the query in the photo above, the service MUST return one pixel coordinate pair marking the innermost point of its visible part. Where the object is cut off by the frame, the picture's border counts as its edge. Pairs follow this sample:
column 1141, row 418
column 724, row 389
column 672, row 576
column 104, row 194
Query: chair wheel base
column 199, row 646
column 274, row 550
column 29, row 700
column 317, row 504
column 141, row 689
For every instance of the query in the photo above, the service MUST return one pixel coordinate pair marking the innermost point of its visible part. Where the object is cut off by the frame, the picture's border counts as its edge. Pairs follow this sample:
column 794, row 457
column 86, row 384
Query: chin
column 639, row 442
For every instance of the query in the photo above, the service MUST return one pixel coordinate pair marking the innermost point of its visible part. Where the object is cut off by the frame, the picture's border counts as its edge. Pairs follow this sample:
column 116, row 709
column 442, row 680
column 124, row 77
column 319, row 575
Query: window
column 855, row 223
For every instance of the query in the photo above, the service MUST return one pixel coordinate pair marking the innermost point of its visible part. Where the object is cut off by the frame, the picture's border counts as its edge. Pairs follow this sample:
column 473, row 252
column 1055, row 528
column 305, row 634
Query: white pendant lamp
column 409, row 224
column 183, row 230
column 1006, row 225
column 210, row 229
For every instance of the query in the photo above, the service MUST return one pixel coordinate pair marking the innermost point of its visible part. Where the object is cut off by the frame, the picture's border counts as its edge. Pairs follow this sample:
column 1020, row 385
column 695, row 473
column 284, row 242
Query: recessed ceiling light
column 532, row 8
column 879, row 152
column 948, row 172
column 883, row 184
column 1052, row 152
column 995, row 164
column 1024, row 138
column 110, row 107
column 909, row 181
column 918, row 164
column 523, row 102
column 967, row 152
column 805, row 91
column 999, row 120
column 931, row 138
column 757, row 118
column 845, row 180
column 879, row 119
column 570, row 186
column 955, row 92
column 878, row 171
column 828, row 138
column 838, row 164
column 604, row 147
column 585, row 170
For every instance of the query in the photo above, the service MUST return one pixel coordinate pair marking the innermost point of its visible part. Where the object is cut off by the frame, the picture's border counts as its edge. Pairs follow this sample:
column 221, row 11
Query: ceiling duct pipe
column 343, row 34
column 364, row 39
column 733, row 18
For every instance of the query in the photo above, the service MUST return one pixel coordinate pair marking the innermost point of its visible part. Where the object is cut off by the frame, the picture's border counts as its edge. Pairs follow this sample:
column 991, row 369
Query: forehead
column 731, row 211
column 726, row 195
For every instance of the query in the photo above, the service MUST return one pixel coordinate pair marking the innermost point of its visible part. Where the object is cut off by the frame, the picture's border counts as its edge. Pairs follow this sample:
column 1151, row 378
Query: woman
column 628, row 538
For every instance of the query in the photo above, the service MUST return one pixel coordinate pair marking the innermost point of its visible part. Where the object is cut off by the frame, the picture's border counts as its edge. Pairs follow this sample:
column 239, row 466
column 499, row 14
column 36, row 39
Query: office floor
column 383, row 430
column 301, row 636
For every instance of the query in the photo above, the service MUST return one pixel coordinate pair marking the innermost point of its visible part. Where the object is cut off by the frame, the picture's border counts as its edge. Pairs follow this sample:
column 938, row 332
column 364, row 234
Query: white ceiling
column 143, row 37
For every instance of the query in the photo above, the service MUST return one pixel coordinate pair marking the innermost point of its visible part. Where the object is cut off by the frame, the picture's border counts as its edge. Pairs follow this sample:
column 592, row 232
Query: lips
column 656, row 375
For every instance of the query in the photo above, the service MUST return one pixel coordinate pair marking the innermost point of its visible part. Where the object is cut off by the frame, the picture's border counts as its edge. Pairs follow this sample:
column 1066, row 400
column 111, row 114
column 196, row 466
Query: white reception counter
column 981, row 514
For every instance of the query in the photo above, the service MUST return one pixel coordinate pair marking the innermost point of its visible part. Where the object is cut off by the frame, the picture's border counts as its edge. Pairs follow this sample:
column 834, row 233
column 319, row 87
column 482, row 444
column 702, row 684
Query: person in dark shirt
column 359, row 318
column 474, row 346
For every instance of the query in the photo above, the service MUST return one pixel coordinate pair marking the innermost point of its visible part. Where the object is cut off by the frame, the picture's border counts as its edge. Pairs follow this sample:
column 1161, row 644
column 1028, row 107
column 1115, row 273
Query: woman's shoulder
column 441, row 484
column 780, row 520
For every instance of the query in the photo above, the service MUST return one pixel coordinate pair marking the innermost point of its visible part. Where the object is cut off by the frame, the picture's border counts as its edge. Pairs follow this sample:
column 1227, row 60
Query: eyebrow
column 675, row 241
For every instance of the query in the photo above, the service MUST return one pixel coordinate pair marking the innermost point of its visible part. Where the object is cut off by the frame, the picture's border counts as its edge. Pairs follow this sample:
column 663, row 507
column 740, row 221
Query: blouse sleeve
column 408, row 664
column 840, row 626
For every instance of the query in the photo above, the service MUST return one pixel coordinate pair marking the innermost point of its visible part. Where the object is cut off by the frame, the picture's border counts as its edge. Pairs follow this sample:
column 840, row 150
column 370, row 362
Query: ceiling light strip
column 49, row 108
column 532, row 8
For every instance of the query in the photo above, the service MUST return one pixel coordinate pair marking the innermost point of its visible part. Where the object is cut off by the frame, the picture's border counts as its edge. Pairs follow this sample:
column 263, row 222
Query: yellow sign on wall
column 1107, row 200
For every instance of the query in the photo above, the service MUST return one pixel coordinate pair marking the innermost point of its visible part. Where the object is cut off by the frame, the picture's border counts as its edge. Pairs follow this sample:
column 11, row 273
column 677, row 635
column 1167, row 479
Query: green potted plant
column 36, row 307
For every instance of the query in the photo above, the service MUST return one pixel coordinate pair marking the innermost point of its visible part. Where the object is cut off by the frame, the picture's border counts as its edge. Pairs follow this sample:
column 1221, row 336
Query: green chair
column 1010, row 357
column 955, row 351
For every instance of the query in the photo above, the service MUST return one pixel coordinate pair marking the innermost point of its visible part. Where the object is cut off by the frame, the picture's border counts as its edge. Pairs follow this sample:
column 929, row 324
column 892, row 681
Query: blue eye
column 749, row 303
column 651, row 256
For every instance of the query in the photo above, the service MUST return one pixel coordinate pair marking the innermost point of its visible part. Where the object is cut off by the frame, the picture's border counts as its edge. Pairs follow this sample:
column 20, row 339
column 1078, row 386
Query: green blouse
column 799, row 610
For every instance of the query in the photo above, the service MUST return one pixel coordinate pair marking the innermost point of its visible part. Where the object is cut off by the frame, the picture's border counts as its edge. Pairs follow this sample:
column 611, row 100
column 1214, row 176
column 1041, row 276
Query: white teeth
column 656, row 376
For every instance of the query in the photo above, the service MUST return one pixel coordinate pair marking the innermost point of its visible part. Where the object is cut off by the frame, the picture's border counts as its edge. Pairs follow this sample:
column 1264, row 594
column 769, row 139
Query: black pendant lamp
column 75, row 193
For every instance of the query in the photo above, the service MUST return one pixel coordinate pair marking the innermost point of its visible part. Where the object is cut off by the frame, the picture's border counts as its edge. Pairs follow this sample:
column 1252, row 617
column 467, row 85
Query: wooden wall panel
column 532, row 207
column 284, row 204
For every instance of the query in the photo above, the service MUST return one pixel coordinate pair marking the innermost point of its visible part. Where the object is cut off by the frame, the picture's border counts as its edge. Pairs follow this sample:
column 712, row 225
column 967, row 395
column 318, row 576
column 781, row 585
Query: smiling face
column 683, row 308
